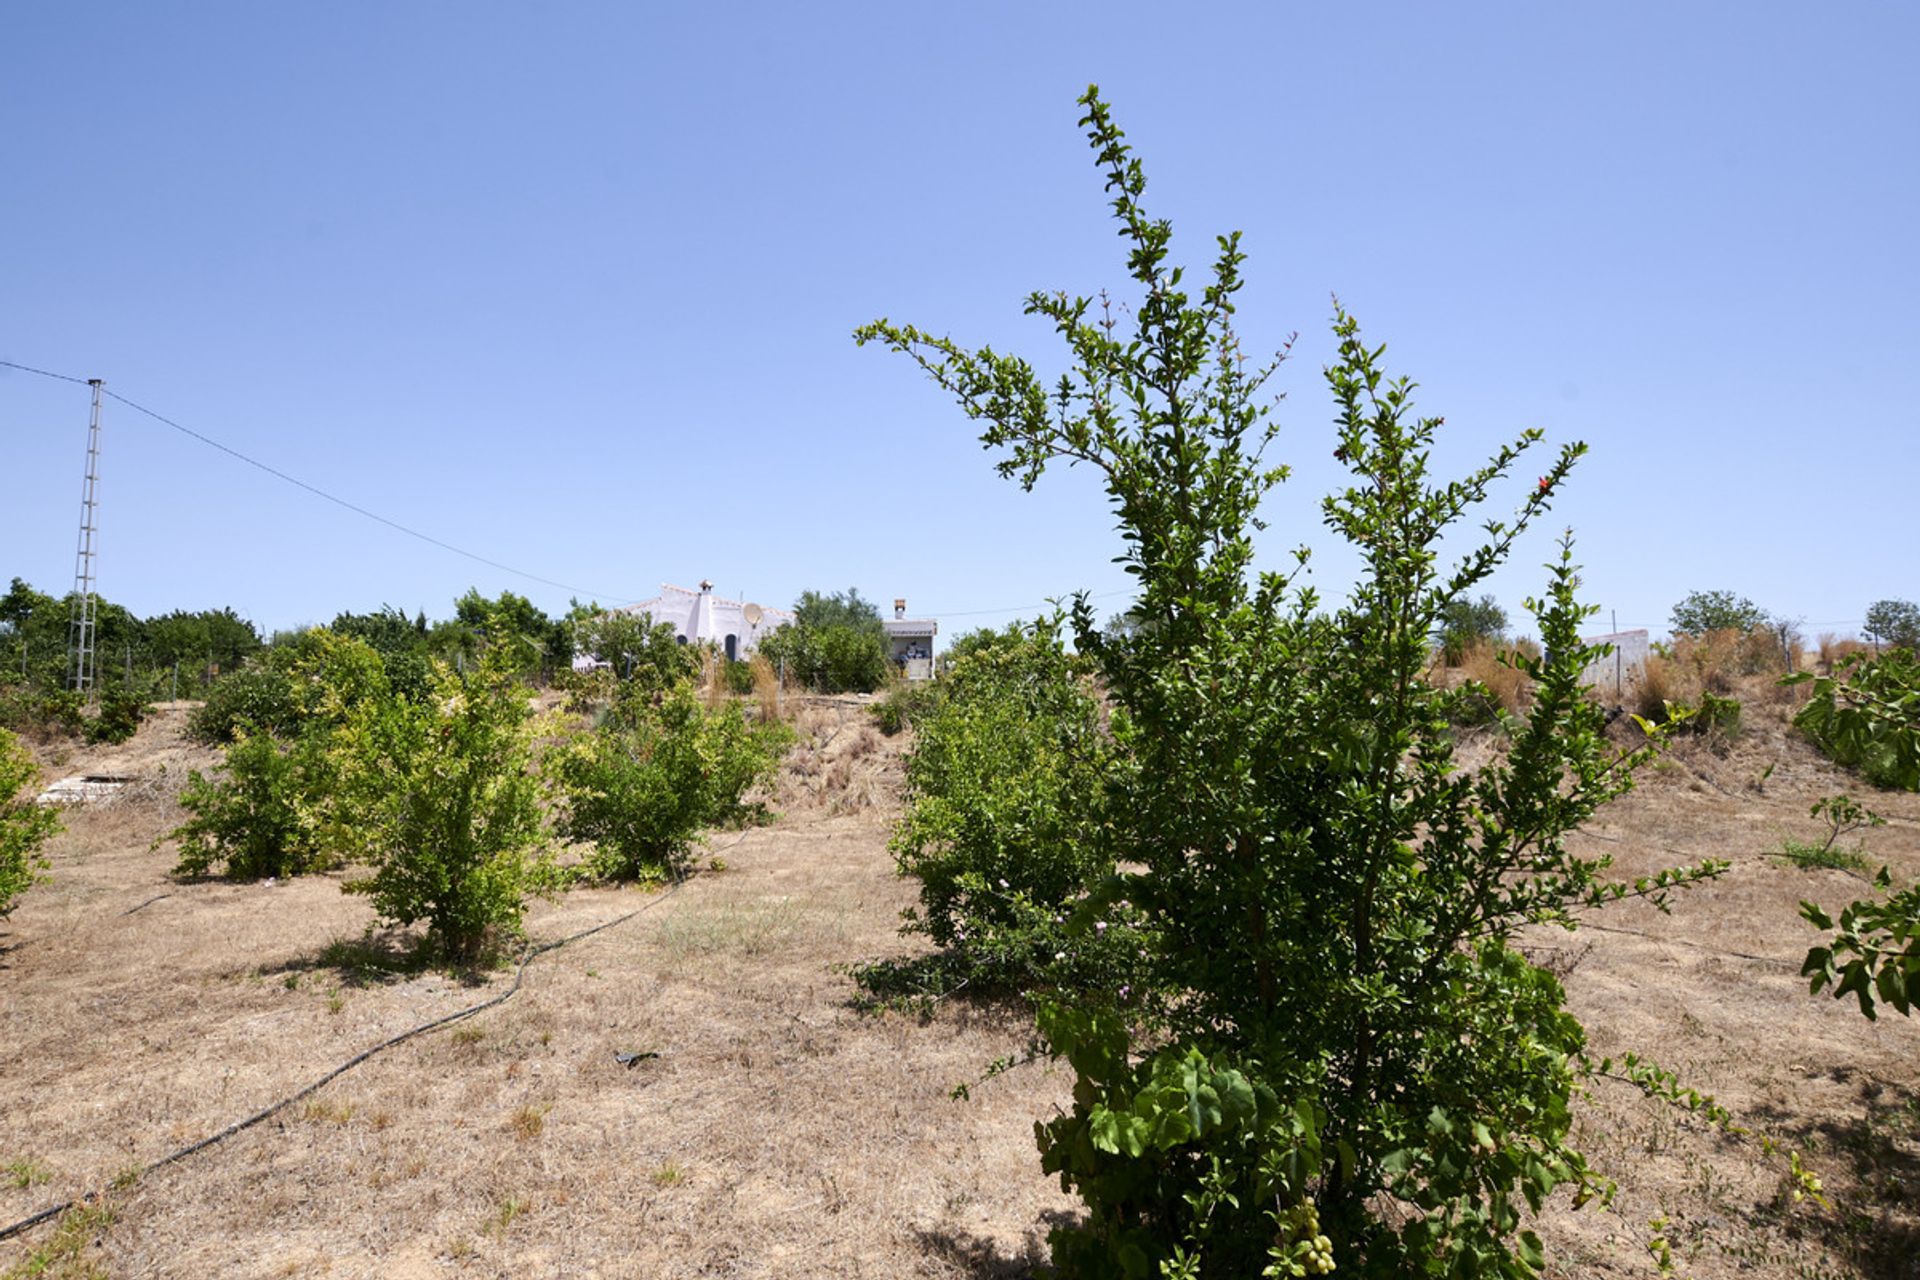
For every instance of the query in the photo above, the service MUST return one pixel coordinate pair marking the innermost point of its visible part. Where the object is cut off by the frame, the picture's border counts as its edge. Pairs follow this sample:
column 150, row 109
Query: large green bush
column 1868, row 715
column 261, row 818
column 656, row 773
column 835, row 644
column 634, row 647
column 1005, row 802
column 437, row 798
column 1340, row 1060
column 24, row 825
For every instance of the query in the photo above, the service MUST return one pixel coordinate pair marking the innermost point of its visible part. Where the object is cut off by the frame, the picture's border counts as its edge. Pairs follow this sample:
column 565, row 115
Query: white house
column 735, row 627
column 910, row 642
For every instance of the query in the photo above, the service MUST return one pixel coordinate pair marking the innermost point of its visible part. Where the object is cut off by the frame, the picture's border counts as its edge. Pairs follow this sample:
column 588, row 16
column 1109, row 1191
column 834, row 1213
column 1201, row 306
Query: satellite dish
column 752, row 613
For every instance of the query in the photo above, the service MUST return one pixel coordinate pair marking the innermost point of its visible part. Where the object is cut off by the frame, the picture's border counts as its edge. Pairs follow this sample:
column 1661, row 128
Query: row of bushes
column 451, row 793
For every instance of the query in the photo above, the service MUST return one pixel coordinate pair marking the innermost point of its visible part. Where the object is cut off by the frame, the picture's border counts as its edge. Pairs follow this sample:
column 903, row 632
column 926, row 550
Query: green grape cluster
column 1308, row 1252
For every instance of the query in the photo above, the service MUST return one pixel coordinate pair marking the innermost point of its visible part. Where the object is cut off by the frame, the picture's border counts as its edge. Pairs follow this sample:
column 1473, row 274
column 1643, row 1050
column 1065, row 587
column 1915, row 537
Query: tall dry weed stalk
column 1509, row 686
column 714, row 693
column 1834, row 648
column 766, row 689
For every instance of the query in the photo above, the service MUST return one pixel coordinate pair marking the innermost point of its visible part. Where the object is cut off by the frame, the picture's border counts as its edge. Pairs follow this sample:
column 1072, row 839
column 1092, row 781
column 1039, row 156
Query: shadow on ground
column 985, row 1259
column 376, row 958
column 1873, row 1223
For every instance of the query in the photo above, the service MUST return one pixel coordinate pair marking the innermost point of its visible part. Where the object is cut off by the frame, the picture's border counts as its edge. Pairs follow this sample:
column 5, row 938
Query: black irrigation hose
column 1684, row 942
column 527, row 957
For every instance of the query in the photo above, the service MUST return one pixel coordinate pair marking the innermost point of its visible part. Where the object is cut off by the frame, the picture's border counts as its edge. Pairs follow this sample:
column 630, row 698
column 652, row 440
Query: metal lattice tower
column 81, row 667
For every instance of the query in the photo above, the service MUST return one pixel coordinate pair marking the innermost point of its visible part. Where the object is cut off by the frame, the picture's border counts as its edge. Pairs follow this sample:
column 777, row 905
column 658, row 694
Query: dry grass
column 1832, row 649
column 777, row 1131
column 1508, row 684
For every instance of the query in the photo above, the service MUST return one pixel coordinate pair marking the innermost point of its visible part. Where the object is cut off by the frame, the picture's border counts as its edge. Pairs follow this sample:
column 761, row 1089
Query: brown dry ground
column 781, row 1132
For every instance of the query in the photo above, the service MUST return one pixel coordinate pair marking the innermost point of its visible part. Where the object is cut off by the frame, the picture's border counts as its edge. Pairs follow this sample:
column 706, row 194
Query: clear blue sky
column 570, row 285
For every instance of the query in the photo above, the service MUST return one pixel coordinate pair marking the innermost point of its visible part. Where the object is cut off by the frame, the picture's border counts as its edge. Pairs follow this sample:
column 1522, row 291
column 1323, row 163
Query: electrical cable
column 1018, row 608
column 527, row 957
column 318, row 492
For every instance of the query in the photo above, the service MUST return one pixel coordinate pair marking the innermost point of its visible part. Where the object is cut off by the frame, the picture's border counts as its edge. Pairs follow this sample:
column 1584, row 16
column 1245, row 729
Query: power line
column 1020, row 608
column 318, row 492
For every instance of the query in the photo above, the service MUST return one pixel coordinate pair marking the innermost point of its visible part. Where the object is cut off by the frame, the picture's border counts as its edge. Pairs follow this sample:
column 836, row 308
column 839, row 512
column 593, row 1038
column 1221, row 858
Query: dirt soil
column 779, row 1131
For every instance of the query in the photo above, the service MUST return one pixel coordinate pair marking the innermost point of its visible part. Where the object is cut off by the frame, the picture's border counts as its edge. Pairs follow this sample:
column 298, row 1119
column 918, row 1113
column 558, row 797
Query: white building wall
column 698, row 616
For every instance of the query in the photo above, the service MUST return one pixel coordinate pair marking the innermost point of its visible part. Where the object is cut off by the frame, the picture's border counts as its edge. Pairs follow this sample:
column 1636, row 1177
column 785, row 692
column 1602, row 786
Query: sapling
column 1338, row 1060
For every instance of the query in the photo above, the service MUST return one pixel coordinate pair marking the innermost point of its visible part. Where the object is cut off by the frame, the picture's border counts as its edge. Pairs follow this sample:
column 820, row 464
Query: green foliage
column 435, row 795
column 1893, row 622
column 24, row 825
column 835, row 644
column 1875, row 954
column 635, row 647
column 122, row 707
column 1714, row 715
column 1464, row 623
column 1869, row 717
column 195, row 641
column 260, row 694
column 522, row 637
column 1866, row 715
column 402, row 644
column 1703, row 611
column 1334, row 1012
column 841, row 609
column 1005, row 802
column 263, row 818
column 41, row 712
column 644, row 785
column 908, row 702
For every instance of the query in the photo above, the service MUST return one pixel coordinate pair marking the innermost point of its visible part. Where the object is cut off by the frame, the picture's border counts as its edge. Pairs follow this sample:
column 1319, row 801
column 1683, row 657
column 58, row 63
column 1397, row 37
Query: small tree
column 436, row 796
column 24, row 825
column 262, row 818
column 1465, row 624
column 835, row 644
column 643, row 786
column 1005, row 798
column 1893, row 622
column 523, row 636
column 1704, row 611
column 1342, row 1060
column 634, row 647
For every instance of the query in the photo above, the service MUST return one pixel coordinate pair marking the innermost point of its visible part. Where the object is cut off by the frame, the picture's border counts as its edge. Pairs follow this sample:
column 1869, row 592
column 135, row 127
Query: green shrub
column 263, row 817
column 1465, row 625
column 1893, row 622
column 24, row 825
column 259, row 695
column 122, row 707
column 40, row 712
column 634, row 647
column 907, row 703
column 1004, row 804
column 436, row 797
column 831, row 659
column 644, row 784
column 1866, row 715
column 835, row 644
column 1703, row 611
column 1340, row 1059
